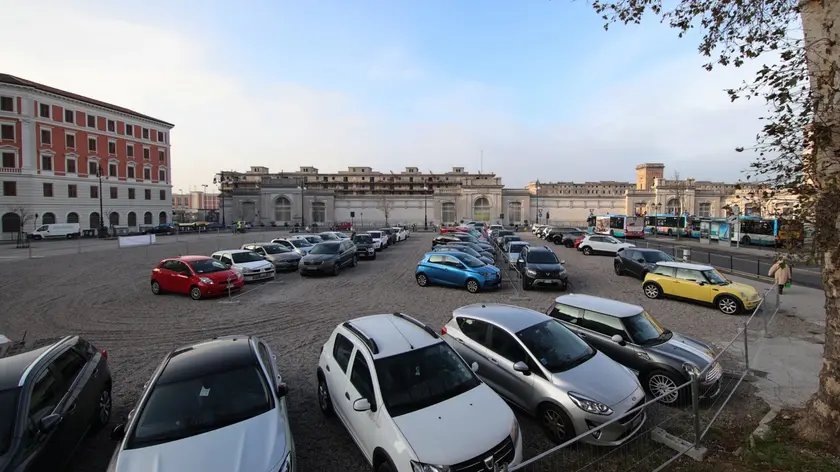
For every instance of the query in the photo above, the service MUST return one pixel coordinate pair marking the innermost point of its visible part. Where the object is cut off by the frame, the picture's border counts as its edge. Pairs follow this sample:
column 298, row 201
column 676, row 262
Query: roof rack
column 369, row 342
column 418, row 323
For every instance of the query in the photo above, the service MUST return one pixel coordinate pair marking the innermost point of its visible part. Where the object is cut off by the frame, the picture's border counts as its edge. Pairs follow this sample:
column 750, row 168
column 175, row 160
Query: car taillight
column 443, row 330
column 104, row 354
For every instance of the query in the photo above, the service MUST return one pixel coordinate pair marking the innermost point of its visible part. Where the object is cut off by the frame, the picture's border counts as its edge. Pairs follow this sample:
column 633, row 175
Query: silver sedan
column 538, row 364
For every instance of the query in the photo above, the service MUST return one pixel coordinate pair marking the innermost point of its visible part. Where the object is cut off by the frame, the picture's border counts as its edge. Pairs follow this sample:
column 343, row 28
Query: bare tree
column 798, row 148
column 385, row 206
column 24, row 216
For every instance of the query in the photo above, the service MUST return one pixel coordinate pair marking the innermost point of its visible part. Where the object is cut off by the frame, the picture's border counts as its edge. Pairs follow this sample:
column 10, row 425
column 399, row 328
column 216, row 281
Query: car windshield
column 325, row 248
column 468, row 250
column 8, row 416
column 244, row 257
column 542, row 257
column 375, row 234
column 656, row 256
column 504, row 232
column 328, row 237
column 362, row 239
column 645, row 330
column 516, row 248
column 207, row 266
column 275, row 249
column 422, row 377
column 470, row 261
column 187, row 407
column 715, row 278
column 556, row 347
column 300, row 243
column 313, row 239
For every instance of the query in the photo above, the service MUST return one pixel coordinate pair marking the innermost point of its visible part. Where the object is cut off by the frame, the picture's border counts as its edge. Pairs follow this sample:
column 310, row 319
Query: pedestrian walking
column 781, row 271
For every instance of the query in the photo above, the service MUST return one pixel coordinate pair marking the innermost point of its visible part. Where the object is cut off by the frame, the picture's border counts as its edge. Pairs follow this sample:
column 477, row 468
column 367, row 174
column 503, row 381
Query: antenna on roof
column 24, row 336
column 401, row 333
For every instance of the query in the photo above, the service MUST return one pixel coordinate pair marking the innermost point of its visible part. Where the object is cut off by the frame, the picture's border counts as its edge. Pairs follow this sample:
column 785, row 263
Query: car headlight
column 514, row 432
column 286, row 465
column 531, row 272
column 486, row 274
column 589, row 405
column 743, row 296
column 561, row 273
column 205, row 280
column 691, row 368
column 420, row 467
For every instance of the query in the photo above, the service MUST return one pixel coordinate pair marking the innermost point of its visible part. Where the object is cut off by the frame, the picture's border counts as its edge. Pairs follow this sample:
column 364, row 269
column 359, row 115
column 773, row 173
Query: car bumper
column 258, row 277
column 615, row 434
column 366, row 252
column 316, row 269
column 491, row 282
column 550, row 281
column 751, row 305
column 212, row 290
column 287, row 265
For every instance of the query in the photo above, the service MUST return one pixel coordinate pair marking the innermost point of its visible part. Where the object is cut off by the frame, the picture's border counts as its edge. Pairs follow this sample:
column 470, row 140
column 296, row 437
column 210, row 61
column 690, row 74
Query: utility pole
column 101, row 206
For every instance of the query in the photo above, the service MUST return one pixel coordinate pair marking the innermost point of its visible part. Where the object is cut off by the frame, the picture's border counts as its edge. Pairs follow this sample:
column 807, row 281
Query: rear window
column 8, row 415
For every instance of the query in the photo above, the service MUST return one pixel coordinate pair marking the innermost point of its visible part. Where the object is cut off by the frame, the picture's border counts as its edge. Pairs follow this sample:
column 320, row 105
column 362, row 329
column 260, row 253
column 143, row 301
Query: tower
column 646, row 175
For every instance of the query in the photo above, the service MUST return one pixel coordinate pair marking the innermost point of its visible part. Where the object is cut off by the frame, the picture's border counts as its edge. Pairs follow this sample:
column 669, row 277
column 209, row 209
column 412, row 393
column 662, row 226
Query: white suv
column 410, row 402
column 602, row 244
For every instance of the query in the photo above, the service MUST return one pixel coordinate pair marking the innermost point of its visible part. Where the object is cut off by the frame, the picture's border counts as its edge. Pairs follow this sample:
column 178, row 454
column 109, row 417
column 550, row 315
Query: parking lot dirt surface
column 105, row 296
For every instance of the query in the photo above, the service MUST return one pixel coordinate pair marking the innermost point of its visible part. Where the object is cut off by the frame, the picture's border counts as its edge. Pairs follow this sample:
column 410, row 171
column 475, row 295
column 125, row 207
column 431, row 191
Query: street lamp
column 99, row 174
column 537, row 189
column 221, row 181
column 302, row 210
column 425, row 208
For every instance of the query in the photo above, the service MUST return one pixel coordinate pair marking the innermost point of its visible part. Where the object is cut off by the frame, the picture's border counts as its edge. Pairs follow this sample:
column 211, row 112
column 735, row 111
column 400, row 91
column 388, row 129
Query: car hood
column 220, row 277
column 546, row 267
column 684, row 349
column 457, row 429
column 284, row 256
column 488, row 268
column 739, row 287
column 612, row 383
column 319, row 257
column 305, row 250
column 253, row 265
column 254, row 445
column 364, row 245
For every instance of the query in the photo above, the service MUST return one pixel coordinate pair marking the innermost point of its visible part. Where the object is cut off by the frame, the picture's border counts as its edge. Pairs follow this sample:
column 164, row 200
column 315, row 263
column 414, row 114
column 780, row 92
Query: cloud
column 674, row 113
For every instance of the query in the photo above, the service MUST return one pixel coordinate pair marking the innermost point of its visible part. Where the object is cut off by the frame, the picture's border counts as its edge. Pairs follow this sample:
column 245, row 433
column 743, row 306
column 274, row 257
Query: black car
column 631, row 336
column 392, row 235
column 638, row 261
column 364, row 246
column 163, row 228
column 481, row 250
column 555, row 233
column 444, row 239
column 568, row 238
column 328, row 258
column 540, row 266
column 501, row 234
column 52, row 392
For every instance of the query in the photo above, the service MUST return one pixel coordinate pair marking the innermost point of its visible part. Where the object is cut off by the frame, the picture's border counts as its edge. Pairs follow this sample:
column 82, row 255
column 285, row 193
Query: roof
column 207, row 357
column 537, row 248
column 685, row 265
column 16, row 357
column 520, row 243
column 601, row 305
column 512, row 317
column 393, row 335
column 232, row 251
column 188, row 258
column 12, row 80
column 646, row 249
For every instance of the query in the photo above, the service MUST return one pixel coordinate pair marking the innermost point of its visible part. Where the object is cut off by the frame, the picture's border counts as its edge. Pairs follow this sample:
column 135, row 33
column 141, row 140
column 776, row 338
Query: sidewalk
column 786, row 362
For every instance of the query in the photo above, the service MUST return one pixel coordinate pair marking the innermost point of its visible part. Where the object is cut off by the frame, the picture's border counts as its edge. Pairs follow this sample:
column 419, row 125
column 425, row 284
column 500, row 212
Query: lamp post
column 658, row 208
column 425, row 208
column 537, row 189
column 302, row 209
column 220, row 181
column 101, row 228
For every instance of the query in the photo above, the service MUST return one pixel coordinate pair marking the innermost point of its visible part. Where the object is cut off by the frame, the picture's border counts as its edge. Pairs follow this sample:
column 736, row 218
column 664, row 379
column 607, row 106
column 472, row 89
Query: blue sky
column 538, row 85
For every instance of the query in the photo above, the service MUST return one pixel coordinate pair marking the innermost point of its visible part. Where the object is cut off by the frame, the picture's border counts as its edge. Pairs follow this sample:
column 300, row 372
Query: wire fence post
column 695, row 407
column 731, row 266
column 758, row 266
column 746, row 347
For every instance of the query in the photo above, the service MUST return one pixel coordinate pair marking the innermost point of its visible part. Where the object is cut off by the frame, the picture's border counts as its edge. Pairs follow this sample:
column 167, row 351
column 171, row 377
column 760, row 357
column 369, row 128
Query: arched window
column 48, row 218
column 72, row 217
column 514, row 212
column 481, row 209
column 319, row 212
column 147, row 218
column 162, row 217
column 673, row 207
column 705, row 210
column 94, row 220
column 114, row 218
column 282, row 209
column 132, row 219
column 10, row 223
column 448, row 213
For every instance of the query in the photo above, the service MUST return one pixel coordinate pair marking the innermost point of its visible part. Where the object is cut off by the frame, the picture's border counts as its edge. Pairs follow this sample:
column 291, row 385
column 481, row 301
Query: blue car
column 466, row 250
column 456, row 269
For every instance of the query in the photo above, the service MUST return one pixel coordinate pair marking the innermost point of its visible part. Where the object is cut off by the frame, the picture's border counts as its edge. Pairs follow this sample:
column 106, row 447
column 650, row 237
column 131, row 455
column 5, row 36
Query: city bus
column 672, row 225
column 768, row 231
column 621, row 226
column 714, row 226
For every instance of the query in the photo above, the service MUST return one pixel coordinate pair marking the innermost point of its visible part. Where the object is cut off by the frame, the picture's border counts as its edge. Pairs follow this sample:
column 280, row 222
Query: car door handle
column 71, row 409
column 347, row 395
column 494, row 361
column 460, row 340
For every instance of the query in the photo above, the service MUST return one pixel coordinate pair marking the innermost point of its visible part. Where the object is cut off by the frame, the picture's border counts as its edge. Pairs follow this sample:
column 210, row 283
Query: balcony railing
column 9, row 170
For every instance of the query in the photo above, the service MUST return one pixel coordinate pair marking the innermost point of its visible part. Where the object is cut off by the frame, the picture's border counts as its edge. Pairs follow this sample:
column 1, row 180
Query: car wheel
column 556, row 423
column 472, row 286
column 324, row 401
column 335, row 270
column 587, row 251
column 156, row 288
column 745, row 240
column 195, row 293
column 617, row 267
column 564, row 286
column 103, row 409
column 663, row 385
column 569, row 244
column 355, row 262
column 526, row 285
column 373, row 257
column 422, row 280
column 728, row 305
column 652, row 290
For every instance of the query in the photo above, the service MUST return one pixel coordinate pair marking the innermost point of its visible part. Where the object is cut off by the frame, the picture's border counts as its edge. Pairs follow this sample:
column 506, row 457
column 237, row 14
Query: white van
column 57, row 230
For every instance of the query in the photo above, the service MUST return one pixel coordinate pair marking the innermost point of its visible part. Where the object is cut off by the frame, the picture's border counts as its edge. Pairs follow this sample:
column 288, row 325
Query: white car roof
column 685, row 265
column 392, row 334
column 231, row 251
column 520, row 243
column 601, row 305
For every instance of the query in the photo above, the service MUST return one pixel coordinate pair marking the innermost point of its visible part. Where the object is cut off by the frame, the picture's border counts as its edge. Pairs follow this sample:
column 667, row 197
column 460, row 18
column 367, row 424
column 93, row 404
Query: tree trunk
column 820, row 19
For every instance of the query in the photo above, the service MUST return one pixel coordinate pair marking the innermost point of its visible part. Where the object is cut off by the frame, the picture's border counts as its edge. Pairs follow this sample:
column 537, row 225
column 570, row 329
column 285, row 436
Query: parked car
column 639, row 261
column 444, row 239
column 536, row 363
column 253, row 266
column 537, row 228
column 329, row 236
column 464, row 249
column 4, row 339
column 602, row 244
column 401, row 233
column 214, row 405
column 57, row 230
column 700, row 283
column 453, row 229
column 456, row 270
column 481, row 250
column 278, row 254
column 632, row 337
column 198, row 276
column 365, row 247
column 468, row 238
column 492, row 229
column 329, row 258
column 52, row 393
column 299, row 245
column 313, row 239
column 579, row 240
column 512, row 252
column 499, row 236
column 569, row 238
column 380, row 240
column 412, row 401
column 392, row 235
column 540, row 266
column 163, row 228
column 507, row 240
column 556, row 233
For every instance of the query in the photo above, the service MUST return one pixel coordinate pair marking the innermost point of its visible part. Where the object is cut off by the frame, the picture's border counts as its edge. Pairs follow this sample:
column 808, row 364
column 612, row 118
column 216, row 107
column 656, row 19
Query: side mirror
column 563, row 262
column 361, row 404
column 48, row 423
column 474, row 366
column 641, row 259
column 701, row 283
column 617, row 339
column 118, row 432
column 521, row 367
column 282, row 390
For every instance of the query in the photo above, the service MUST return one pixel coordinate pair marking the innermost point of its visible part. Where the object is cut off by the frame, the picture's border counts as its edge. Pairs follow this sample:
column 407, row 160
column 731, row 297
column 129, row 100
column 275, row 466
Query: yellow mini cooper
column 700, row 283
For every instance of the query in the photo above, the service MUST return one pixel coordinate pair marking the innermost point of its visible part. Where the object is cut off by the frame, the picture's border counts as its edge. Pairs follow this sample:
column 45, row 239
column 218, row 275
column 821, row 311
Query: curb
column 763, row 428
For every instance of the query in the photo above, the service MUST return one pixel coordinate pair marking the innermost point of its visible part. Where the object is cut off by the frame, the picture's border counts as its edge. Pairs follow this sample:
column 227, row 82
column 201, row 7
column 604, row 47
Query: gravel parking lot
column 104, row 295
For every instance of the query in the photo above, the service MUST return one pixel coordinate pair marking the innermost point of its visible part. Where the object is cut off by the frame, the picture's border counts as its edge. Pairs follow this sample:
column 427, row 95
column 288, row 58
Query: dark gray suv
column 328, row 258
column 631, row 336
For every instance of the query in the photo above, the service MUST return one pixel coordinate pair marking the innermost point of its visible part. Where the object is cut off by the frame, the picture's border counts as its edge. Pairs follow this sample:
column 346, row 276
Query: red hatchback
column 198, row 276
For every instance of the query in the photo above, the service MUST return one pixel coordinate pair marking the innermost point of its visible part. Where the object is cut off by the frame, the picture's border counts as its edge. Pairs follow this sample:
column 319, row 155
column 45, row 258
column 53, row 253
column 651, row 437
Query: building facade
column 367, row 197
column 194, row 206
column 55, row 146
